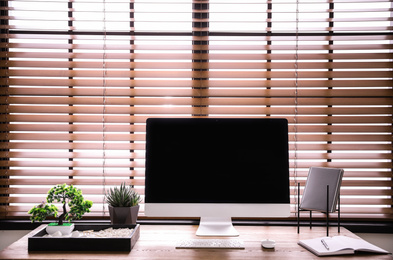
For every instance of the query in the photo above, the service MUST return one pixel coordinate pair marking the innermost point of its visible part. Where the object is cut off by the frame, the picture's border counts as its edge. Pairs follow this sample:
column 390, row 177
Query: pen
column 325, row 244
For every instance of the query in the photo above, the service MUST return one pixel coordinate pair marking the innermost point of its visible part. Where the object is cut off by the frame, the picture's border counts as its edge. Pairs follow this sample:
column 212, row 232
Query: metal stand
column 327, row 211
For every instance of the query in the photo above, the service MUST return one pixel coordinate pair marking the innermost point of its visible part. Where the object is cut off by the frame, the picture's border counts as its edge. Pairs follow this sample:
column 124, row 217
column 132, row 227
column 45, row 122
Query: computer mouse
column 267, row 243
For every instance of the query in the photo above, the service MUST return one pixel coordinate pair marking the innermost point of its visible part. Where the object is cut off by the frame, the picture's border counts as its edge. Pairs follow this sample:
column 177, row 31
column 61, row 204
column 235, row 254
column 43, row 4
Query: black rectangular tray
column 39, row 243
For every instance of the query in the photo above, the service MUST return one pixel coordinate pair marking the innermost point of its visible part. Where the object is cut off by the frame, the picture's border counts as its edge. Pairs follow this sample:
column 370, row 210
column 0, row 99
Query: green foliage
column 40, row 212
column 67, row 196
column 125, row 196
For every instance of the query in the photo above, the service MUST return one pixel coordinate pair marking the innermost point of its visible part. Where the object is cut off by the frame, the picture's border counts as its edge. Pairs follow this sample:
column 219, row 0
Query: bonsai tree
column 70, row 197
column 125, row 196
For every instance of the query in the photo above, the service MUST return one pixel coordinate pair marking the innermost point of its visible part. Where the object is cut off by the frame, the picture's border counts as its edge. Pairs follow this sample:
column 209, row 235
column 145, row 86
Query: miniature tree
column 68, row 196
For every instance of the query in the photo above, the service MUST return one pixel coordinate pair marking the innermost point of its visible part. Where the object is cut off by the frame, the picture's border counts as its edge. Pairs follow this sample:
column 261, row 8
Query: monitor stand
column 216, row 226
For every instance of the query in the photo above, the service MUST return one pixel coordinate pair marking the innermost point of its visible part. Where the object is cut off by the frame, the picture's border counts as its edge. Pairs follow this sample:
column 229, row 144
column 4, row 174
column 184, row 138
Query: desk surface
column 158, row 242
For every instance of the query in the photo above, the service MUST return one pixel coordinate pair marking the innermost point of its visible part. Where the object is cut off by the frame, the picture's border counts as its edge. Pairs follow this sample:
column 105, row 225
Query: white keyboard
column 210, row 243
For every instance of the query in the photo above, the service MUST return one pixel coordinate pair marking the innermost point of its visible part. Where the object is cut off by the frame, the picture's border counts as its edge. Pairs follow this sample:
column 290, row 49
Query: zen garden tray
column 38, row 242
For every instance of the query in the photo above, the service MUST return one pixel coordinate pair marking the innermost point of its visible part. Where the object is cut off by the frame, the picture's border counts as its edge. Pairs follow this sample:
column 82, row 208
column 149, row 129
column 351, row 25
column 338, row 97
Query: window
column 79, row 78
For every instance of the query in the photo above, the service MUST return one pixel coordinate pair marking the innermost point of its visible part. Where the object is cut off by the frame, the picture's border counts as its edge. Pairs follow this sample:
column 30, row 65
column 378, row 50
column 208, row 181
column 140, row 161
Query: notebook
column 339, row 245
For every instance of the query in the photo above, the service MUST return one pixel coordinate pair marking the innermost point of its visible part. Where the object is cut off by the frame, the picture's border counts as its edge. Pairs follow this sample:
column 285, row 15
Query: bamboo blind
column 79, row 79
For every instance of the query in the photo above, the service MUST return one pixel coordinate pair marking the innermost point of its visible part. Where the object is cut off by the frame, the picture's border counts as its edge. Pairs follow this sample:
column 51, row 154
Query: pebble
column 57, row 234
column 110, row 232
column 75, row 234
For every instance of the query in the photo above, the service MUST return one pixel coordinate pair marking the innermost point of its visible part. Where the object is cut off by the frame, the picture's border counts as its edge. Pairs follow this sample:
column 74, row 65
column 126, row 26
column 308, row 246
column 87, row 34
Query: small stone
column 57, row 234
column 75, row 234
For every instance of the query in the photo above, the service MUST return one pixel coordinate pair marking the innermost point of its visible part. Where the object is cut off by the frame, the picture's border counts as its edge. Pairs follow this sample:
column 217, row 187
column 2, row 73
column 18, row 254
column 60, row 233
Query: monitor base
column 216, row 226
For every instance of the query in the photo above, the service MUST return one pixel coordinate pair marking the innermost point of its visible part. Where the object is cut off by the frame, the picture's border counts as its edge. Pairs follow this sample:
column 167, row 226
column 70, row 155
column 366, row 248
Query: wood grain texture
column 158, row 242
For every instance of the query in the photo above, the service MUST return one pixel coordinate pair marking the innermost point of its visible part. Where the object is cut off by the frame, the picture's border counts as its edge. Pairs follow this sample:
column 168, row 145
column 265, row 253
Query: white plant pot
column 64, row 229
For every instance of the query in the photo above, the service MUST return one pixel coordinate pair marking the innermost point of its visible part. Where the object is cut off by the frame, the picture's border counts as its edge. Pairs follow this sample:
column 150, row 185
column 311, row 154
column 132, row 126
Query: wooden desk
column 157, row 242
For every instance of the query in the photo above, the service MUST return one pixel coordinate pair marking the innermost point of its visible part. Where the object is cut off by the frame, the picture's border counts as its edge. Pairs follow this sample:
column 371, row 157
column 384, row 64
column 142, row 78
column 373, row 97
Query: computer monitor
column 216, row 169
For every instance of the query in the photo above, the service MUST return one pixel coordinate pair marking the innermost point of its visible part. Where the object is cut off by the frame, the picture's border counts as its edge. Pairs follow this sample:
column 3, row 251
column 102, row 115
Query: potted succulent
column 73, row 204
column 123, row 205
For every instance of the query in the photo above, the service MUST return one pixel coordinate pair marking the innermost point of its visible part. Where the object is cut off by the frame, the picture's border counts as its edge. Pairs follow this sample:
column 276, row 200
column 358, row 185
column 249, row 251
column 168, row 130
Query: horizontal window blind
column 79, row 82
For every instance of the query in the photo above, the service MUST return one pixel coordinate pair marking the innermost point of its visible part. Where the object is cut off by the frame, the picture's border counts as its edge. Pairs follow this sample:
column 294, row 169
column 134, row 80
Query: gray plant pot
column 123, row 215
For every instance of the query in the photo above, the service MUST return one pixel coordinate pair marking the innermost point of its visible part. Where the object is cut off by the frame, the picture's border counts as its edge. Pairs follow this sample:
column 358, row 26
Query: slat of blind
column 259, row 92
column 313, row 29
column 90, row 44
column 96, row 154
column 76, row 128
column 315, row 155
column 94, row 181
column 125, row 119
column 74, row 145
column 187, row 83
column 151, row 39
column 75, row 163
column 364, row 183
column 372, row 19
column 288, row 20
column 189, row 74
column 84, row 97
column 359, row 174
column 140, row 173
column 353, row 212
column 132, row 164
column 80, row 137
column 375, row 201
column 92, row 190
column 235, row 46
column 109, row 172
column 184, row 110
column 132, row 146
column 189, row 65
column 251, row 57
column 327, row 128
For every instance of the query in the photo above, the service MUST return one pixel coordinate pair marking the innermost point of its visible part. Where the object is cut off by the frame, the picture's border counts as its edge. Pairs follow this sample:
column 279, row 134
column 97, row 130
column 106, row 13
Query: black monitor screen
column 205, row 160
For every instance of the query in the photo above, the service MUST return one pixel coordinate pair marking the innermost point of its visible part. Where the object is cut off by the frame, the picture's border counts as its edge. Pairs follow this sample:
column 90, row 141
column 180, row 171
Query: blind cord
column 104, row 74
column 296, row 103
column 7, row 95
